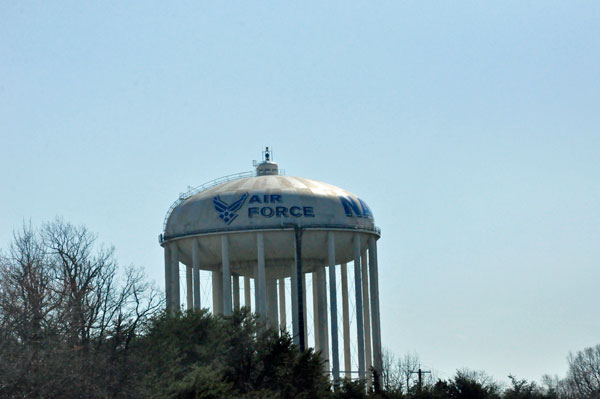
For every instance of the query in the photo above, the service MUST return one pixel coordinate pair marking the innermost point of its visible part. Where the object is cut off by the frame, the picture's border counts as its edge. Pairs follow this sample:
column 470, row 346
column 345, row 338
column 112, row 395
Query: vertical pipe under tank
column 260, row 282
column 226, row 273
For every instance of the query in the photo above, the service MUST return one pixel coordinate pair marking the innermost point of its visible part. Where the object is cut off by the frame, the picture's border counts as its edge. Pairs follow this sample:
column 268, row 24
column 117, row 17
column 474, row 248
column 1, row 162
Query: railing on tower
column 195, row 190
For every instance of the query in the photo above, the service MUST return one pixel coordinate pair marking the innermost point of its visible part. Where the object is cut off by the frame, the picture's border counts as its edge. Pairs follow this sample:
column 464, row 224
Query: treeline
column 75, row 325
column 581, row 382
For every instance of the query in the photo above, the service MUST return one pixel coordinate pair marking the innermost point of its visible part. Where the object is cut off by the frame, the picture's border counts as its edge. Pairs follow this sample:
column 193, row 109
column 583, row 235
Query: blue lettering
column 284, row 211
column 350, row 206
column 266, row 211
column 254, row 199
column 365, row 209
column 276, row 198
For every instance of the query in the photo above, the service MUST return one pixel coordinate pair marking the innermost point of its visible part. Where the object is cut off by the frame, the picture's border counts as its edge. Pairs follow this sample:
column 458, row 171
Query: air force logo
column 226, row 211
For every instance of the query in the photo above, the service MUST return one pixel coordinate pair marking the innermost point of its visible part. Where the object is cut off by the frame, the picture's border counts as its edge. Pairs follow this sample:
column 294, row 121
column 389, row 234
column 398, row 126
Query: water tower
column 269, row 229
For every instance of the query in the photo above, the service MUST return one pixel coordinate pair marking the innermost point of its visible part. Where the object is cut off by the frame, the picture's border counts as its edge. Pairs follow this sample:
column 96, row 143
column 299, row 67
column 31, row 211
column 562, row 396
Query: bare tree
column 28, row 304
column 555, row 387
column 399, row 375
column 67, row 318
column 583, row 375
column 391, row 379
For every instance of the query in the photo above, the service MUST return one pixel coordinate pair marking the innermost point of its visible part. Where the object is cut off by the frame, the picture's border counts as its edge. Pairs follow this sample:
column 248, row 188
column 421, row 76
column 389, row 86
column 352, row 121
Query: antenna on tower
column 267, row 166
column 267, row 155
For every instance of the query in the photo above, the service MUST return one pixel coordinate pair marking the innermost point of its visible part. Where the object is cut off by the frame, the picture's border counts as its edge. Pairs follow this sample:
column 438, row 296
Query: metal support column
column 300, row 289
column 282, row 320
column 359, row 308
column 294, row 297
column 196, row 272
column 376, row 323
column 226, row 275
column 168, row 277
column 247, row 295
column 260, row 282
column 189, row 288
column 217, row 287
column 335, row 361
column 304, row 313
column 366, row 316
column 272, row 319
column 316, row 319
column 236, row 291
column 176, row 304
column 322, row 313
column 346, row 321
column 256, row 293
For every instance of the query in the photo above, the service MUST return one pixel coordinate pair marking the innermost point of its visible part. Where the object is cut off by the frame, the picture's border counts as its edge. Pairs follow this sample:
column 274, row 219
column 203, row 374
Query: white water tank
column 265, row 227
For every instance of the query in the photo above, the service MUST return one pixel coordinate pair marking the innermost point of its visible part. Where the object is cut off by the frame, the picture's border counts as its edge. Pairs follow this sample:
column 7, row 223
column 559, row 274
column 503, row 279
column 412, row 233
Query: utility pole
column 420, row 373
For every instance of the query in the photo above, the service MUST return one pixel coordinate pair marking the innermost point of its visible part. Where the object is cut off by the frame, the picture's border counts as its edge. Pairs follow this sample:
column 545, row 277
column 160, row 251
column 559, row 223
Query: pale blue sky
column 470, row 128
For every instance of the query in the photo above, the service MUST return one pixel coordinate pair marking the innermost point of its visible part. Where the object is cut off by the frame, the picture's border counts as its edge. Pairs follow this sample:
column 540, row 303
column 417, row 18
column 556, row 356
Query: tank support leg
column 236, row 292
column 247, row 297
column 226, row 275
column 196, row 271
column 346, row 321
column 295, row 323
column 168, row 278
column 304, row 313
column 217, row 285
column 366, row 316
column 322, row 314
column 376, row 326
column 316, row 325
column 359, row 308
column 282, row 320
column 272, row 319
column 335, row 363
column 175, row 305
column 189, row 298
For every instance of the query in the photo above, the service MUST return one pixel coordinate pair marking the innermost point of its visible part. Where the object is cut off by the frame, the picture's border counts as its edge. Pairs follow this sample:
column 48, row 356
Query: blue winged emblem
column 226, row 211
